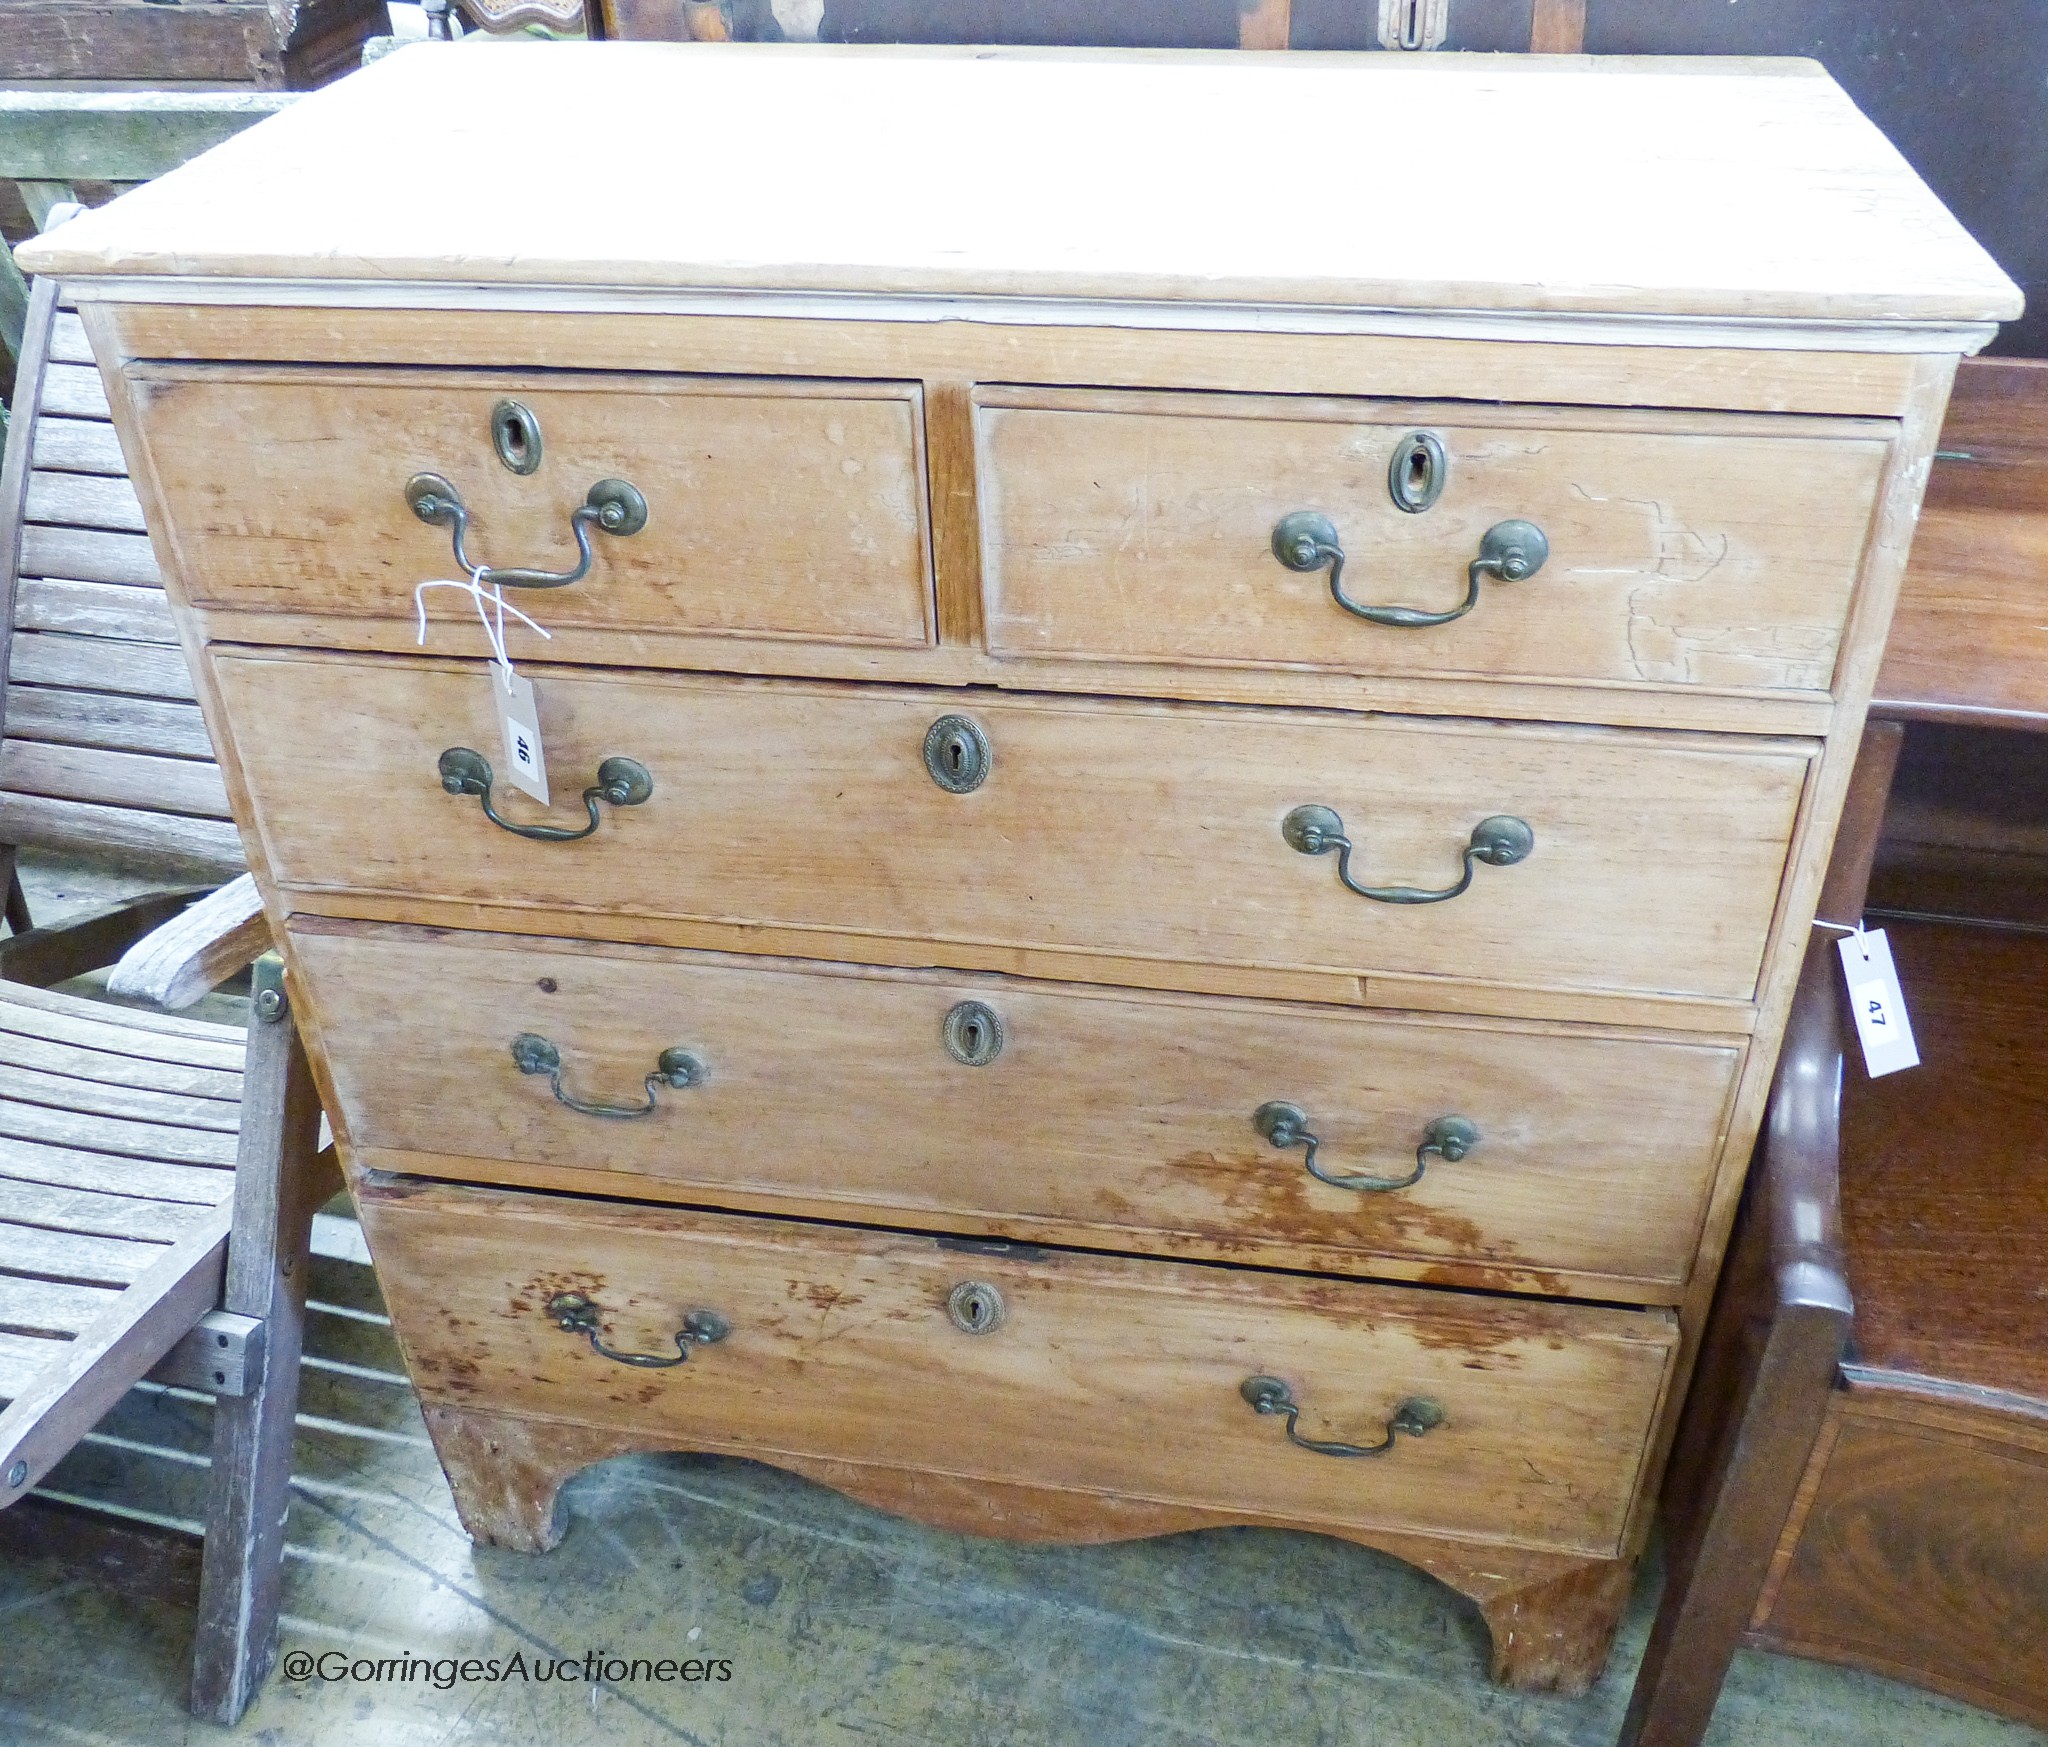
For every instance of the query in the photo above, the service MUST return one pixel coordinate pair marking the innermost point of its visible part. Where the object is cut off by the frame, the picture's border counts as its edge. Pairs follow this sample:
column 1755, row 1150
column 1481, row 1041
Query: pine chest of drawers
column 1194, row 704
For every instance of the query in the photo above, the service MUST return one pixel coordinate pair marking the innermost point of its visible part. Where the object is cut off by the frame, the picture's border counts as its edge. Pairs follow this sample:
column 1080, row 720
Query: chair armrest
column 1802, row 1156
column 196, row 951
column 54, row 954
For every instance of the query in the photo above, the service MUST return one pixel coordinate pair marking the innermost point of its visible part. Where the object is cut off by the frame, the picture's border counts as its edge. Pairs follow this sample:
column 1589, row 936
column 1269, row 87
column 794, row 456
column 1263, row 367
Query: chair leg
column 17, row 900
column 279, row 1182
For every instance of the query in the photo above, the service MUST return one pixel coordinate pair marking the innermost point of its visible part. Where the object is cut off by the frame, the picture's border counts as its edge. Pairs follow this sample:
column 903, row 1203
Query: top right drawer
column 1585, row 545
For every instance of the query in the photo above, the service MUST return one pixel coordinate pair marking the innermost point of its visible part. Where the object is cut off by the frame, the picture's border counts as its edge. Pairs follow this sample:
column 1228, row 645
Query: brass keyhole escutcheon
column 974, row 1034
column 1416, row 474
column 975, row 1306
column 515, row 435
column 956, row 753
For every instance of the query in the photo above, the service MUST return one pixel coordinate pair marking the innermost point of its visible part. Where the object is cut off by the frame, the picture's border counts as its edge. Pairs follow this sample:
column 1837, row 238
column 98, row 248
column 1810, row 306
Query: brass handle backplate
column 676, row 1068
column 1287, row 1125
column 611, row 506
column 577, row 1314
column 1307, row 540
column 1417, row 1416
column 1500, row 841
column 624, row 782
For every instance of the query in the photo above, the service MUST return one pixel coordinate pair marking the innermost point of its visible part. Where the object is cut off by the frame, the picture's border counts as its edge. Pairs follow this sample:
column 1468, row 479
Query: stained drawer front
column 1099, row 1374
column 1153, row 831
column 1007, row 1107
column 1695, row 550
column 773, row 507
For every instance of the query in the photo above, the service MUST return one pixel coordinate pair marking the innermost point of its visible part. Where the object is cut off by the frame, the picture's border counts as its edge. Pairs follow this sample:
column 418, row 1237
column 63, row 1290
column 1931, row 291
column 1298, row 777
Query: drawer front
column 1709, row 551
column 1153, row 831
column 1099, row 1116
column 1100, row 1374
column 777, row 508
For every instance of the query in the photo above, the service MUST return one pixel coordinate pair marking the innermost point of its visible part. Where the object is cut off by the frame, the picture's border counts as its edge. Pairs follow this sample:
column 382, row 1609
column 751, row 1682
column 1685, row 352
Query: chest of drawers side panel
column 1896, row 511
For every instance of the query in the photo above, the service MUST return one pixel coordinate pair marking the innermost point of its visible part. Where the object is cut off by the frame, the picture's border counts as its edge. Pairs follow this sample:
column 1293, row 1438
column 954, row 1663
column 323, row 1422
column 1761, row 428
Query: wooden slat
column 113, row 1069
column 64, row 1093
column 88, row 555
column 29, row 1161
column 127, row 135
column 186, row 786
column 22, row 1357
column 101, row 719
column 86, row 1131
column 94, row 609
column 102, row 1215
column 50, row 1306
column 143, row 670
column 68, row 344
column 39, row 820
column 218, row 1047
column 114, row 1349
column 31, row 345
column 73, row 1256
column 78, row 446
column 75, row 391
column 84, row 500
column 128, row 1018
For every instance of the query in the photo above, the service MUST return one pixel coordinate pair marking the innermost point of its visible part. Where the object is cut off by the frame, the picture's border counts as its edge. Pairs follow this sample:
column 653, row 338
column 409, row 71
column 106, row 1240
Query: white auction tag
column 1879, row 1006
column 526, row 764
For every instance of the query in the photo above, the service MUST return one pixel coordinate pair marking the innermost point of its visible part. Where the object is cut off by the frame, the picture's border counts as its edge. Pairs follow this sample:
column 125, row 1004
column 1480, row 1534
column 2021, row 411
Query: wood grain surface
column 1123, row 1119
column 1144, row 831
column 1944, row 1190
column 1924, row 1555
column 1103, row 1375
column 1970, row 639
column 1752, row 189
column 1684, row 550
column 782, row 508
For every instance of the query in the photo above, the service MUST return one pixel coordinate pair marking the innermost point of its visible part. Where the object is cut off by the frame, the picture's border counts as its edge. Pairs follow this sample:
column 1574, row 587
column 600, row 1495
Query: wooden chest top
column 1735, row 190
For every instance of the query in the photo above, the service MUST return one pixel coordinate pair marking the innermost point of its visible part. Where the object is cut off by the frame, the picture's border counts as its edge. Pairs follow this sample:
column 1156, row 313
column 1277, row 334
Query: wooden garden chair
column 158, row 1174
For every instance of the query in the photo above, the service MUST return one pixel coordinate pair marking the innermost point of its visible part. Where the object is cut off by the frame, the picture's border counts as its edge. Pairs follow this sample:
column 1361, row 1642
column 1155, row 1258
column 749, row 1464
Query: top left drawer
column 774, row 507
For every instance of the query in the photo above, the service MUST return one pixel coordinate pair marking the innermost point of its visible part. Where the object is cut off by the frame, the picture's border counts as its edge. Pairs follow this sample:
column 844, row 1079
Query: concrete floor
column 840, row 1625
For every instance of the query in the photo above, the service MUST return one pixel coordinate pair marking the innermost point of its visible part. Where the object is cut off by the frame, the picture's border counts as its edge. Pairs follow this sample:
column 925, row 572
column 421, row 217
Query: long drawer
column 1550, row 1158
column 1527, row 1421
column 1148, row 832
column 774, row 507
column 1678, row 550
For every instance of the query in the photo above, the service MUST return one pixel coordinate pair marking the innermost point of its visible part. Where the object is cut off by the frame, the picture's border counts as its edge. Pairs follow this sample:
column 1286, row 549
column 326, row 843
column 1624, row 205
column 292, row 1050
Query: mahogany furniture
column 1863, row 1467
column 158, row 1174
column 1184, row 816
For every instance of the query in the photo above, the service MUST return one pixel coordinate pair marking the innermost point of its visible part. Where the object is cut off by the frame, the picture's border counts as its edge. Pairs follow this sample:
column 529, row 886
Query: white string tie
column 1844, row 928
column 491, row 608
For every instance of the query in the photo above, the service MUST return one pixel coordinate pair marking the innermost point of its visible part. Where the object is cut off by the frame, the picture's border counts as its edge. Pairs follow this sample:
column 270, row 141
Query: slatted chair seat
column 117, row 1183
column 158, row 1174
column 104, row 747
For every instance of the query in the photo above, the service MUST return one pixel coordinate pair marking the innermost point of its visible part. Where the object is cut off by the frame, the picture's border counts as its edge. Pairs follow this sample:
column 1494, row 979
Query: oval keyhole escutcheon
column 974, row 1034
column 515, row 435
column 975, row 1306
column 956, row 753
column 1415, row 476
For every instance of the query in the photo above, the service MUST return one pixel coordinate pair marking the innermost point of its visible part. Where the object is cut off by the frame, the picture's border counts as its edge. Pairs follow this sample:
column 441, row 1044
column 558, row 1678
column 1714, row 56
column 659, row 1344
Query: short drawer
column 1090, row 1373
column 778, row 508
column 1544, row 1157
column 1149, row 832
column 1683, row 550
